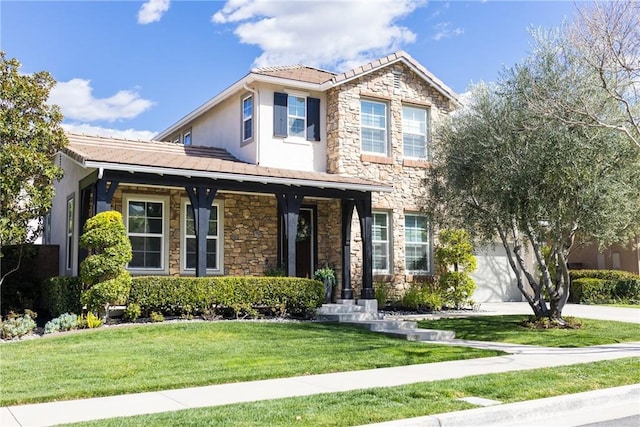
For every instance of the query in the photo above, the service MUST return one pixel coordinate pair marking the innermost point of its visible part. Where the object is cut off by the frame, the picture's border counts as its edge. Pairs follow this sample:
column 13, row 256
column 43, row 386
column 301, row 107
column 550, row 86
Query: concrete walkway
column 521, row 358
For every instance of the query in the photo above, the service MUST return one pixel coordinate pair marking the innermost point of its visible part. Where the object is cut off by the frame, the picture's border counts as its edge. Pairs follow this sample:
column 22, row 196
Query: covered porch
column 208, row 178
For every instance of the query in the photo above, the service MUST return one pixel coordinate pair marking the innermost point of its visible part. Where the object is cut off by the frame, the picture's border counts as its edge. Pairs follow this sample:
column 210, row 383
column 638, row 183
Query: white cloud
column 336, row 34
column 87, row 129
column 152, row 11
column 77, row 102
column 444, row 31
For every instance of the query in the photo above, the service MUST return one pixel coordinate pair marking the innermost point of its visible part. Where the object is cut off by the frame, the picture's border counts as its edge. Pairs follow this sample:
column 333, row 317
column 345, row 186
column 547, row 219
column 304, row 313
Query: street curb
column 571, row 409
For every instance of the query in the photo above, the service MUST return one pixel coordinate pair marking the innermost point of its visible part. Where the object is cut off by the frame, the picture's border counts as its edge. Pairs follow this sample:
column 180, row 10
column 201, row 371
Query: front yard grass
column 137, row 358
column 394, row 403
column 507, row 329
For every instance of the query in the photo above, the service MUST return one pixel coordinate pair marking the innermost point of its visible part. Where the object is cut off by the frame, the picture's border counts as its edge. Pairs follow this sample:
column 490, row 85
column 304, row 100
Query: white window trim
column 183, row 238
column 295, row 138
column 164, row 247
column 428, row 244
column 184, row 138
column 244, row 120
column 386, row 128
column 388, row 241
column 426, row 135
column 70, row 235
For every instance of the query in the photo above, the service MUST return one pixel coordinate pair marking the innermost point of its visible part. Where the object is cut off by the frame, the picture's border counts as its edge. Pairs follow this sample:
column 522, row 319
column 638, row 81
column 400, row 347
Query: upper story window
column 296, row 116
column 415, row 132
column 186, row 138
column 373, row 126
column 247, row 118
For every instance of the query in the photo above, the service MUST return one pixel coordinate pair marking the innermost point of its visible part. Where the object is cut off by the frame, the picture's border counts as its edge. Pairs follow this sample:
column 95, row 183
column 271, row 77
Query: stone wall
column 250, row 229
column 406, row 176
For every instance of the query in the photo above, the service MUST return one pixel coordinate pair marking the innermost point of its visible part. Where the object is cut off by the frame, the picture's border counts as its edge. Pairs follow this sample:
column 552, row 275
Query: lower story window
column 214, row 233
column 380, row 240
column 417, row 243
column 146, row 230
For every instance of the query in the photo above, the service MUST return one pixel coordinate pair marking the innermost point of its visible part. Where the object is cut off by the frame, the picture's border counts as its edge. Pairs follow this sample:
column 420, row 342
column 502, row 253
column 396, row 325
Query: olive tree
column 507, row 171
column 600, row 54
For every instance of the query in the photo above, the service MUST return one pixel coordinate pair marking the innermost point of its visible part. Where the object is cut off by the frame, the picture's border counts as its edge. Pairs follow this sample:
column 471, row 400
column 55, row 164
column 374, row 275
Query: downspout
column 256, row 116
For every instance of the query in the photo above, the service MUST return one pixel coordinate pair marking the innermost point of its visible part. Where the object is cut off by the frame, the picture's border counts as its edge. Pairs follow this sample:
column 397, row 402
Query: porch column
column 201, row 199
column 290, row 208
column 347, row 215
column 366, row 223
column 85, row 212
column 103, row 195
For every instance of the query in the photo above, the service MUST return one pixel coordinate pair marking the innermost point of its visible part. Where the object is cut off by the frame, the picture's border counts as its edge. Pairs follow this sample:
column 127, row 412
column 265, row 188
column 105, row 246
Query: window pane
column 248, row 128
column 137, row 261
column 247, row 108
column 153, row 244
column 296, row 127
column 191, row 260
column 152, row 260
column 137, row 243
column 296, row 106
column 154, row 226
column 136, row 209
column 154, row 210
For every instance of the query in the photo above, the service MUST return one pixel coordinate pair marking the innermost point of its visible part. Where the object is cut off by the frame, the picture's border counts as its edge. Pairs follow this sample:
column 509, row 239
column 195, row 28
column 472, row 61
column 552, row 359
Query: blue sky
column 132, row 68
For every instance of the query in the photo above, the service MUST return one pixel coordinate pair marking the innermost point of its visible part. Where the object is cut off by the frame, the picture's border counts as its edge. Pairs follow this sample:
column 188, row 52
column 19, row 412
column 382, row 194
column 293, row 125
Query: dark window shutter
column 280, row 114
column 313, row 119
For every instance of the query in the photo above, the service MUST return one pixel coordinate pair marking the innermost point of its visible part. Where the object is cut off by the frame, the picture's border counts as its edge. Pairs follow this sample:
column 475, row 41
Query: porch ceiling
column 198, row 162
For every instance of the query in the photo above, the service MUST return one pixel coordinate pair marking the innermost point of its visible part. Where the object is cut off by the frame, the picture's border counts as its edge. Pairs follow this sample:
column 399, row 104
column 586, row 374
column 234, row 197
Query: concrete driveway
column 600, row 312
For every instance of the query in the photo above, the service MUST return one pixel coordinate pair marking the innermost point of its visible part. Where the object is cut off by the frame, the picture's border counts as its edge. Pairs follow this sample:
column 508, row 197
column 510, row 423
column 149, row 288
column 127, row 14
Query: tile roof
column 169, row 158
column 300, row 73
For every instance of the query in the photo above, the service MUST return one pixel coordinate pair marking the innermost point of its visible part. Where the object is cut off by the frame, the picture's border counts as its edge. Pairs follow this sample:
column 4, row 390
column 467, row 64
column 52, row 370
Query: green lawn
column 507, row 329
column 138, row 358
column 393, row 403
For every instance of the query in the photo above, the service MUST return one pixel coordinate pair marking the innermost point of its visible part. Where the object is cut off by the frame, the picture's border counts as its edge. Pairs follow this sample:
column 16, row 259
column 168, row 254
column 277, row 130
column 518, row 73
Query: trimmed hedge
column 223, row 295
column 62, row 295
column 604, row 287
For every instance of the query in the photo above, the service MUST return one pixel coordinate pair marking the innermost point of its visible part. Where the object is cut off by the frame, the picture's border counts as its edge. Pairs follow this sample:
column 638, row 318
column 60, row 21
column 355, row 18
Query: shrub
column 62, row 295
column 455, row 260
column 604, row 286
column 132, row 312
column 16, row 326
column 457, row 288
column 103, row 271
column 423, row 296
column 226, row 295
column 65, row 322
column 156, row 317
column 381, row 292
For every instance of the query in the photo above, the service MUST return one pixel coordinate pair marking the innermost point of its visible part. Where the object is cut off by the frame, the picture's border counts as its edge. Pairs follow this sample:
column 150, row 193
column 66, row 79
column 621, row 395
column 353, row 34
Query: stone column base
column 370, row 305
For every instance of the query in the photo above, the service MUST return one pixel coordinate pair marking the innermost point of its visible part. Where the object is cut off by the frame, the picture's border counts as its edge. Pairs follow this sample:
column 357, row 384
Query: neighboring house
column 270, row 172
column 615, row 257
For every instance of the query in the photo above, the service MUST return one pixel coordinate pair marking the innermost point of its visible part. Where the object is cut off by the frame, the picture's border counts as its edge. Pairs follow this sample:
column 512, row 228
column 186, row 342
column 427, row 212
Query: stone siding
column 406, row 176
column 250, row 229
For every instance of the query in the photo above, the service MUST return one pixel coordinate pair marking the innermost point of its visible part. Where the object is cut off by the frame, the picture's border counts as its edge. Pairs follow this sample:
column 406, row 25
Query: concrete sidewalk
column 520, row 357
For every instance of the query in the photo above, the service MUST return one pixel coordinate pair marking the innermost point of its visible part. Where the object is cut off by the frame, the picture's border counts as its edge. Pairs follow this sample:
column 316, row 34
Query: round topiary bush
column 103, row 272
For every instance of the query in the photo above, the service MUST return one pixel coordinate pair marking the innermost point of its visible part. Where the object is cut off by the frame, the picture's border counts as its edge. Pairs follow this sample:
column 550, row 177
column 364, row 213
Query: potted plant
column 326, row 275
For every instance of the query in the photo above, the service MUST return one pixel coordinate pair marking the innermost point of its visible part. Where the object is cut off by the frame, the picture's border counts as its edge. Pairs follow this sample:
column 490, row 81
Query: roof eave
column 237, row 177
column 237, row 86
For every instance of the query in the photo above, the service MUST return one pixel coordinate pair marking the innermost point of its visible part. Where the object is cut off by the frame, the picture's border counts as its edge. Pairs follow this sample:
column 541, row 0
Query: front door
column 304, row 243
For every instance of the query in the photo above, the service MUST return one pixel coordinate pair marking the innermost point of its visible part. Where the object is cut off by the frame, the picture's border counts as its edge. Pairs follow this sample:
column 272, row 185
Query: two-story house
column 291, row 166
